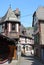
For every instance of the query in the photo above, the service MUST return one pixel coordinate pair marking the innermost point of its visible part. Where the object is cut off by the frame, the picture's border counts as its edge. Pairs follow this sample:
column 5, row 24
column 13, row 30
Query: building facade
column 15, row 37
column 38, row 24
column 10, row 29
column 26, row 41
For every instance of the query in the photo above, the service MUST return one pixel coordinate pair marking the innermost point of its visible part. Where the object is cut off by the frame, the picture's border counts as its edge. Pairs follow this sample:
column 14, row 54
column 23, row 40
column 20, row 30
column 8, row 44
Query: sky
column 26, row 7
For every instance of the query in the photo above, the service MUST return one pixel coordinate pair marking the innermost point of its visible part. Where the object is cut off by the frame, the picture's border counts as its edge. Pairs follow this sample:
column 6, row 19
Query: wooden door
column 13, row 50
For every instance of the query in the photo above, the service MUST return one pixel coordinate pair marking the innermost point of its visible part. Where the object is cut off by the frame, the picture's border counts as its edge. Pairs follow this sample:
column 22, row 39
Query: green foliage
column 29, row 28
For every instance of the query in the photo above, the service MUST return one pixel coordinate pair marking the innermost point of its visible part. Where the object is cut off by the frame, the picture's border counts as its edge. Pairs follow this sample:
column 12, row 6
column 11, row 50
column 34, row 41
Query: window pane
column 13, row 26
column 26, row 48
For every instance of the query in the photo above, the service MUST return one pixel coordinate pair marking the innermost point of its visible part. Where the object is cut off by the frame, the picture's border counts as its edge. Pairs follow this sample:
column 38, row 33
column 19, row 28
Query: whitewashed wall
column 22, row 40
column 26, row 41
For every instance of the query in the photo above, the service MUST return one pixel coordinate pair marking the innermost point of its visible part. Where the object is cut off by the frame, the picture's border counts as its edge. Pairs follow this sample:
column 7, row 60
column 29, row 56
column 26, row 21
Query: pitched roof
column 30, row 30
column 26, row 34
column 22, row 28
column 9, row 16
column 40, row 13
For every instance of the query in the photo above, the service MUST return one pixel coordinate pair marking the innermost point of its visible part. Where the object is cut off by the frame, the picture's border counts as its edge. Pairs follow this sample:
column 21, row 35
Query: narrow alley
column 29, row 60
column 25, row 60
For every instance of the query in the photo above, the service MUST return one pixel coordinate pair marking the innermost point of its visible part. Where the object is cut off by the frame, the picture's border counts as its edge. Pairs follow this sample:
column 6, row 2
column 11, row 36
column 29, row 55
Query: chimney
column 17, row 12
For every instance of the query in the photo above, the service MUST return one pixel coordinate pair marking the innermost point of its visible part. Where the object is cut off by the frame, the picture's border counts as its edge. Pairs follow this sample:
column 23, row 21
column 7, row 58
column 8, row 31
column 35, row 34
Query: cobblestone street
column 25, row 60
column 29, row 60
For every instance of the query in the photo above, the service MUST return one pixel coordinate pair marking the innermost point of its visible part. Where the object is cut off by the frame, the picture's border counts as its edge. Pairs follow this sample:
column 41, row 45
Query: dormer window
column 13, row 26
column 24, row 32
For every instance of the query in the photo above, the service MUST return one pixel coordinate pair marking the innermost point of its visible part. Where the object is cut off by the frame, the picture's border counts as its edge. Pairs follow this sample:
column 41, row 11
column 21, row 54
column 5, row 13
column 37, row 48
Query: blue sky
column 27, row 8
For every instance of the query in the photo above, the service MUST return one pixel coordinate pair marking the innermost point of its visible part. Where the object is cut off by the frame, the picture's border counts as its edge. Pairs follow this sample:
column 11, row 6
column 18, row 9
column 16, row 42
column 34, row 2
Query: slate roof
column 40, row 13
column 9, row 16
column 26, row 34
column 30, row 31
column 22, row 28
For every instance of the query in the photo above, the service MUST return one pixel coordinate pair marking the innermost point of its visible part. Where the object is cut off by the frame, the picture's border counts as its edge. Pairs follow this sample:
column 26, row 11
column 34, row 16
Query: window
column 36, row 26
column 26, row 48
column 3, row 26
column 13, row 26
column 36, row 38
column 30, row 48
column 24, row 32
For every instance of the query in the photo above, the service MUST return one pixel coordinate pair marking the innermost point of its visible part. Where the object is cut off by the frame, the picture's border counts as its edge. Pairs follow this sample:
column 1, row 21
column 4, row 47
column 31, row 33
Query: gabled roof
column 22, row 28
column 26, row 34
column 9, row 16
column 30, row 30
column 40, row 13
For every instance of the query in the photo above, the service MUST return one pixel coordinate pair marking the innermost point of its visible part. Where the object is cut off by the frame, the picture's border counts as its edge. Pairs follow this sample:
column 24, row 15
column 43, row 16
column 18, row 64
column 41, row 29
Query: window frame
column 13, row 26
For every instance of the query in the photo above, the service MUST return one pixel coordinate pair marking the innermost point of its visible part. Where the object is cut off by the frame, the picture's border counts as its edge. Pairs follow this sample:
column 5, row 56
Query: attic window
column 23, row 32
column 26, row 48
